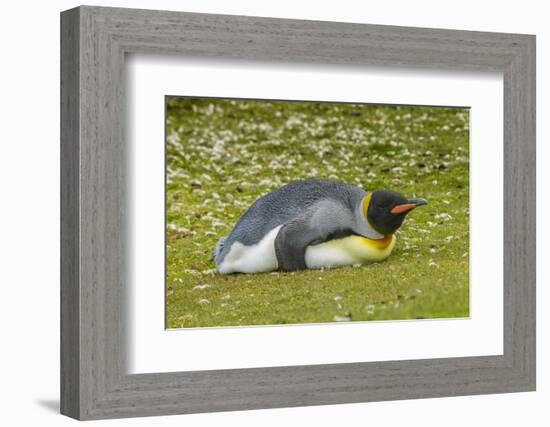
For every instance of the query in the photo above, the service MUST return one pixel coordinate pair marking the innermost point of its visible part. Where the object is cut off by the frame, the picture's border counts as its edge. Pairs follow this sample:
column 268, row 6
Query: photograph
column 292, row 212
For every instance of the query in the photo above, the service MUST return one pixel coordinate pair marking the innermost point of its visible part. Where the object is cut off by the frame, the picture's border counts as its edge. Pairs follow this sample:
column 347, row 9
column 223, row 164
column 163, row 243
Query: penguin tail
column 218, row 248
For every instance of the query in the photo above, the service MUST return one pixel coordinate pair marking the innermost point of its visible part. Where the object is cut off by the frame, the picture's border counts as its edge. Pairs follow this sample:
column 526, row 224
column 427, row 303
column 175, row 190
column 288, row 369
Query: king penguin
column 313, row 224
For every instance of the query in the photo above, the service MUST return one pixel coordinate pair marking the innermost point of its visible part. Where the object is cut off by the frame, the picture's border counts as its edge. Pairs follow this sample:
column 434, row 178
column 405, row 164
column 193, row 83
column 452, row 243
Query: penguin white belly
column 261, row 257
column 348, row 251
column 258, row 258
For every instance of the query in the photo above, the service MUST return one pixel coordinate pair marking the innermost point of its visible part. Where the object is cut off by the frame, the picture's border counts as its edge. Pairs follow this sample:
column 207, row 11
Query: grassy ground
column 223, row 154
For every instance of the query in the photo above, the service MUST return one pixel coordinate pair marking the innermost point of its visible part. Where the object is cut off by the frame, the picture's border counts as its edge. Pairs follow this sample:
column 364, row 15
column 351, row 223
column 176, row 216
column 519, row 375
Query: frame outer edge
column 520, row 216
column 70, row 396
column 532, row 138
column 91, row 366
column 527, row 79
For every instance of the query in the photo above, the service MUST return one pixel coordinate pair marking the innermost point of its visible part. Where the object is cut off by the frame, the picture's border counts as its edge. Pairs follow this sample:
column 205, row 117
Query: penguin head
column 385, row 210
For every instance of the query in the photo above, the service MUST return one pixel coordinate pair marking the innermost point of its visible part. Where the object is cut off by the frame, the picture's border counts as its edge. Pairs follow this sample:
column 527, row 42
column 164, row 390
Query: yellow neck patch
column 366, row 202
column 378, row 244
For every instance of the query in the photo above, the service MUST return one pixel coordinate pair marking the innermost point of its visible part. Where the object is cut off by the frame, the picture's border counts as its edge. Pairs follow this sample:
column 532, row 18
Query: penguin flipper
column 323, row 221
column 295, row 236
column 290, row 245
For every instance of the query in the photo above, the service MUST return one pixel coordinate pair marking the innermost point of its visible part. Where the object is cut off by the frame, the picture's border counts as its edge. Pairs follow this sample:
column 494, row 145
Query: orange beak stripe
column 399, row 209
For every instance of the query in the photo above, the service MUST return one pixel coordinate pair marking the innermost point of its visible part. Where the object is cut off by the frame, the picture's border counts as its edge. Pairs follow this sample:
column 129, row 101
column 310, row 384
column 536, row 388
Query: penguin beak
column 409, row 206
column 418, row 202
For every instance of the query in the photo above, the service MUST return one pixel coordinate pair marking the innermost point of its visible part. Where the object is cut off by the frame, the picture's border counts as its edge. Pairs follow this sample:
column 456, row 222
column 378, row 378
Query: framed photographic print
column 262, row 213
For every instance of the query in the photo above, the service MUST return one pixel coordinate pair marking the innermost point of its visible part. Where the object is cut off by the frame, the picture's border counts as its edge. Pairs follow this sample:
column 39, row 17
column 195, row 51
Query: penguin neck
column 363, row 226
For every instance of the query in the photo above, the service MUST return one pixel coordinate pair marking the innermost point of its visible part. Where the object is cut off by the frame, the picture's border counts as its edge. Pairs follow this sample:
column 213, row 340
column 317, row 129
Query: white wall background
column 29, row 212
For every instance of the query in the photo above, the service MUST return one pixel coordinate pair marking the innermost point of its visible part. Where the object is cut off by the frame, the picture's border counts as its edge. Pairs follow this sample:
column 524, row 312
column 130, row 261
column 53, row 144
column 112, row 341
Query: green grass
column 223, row 154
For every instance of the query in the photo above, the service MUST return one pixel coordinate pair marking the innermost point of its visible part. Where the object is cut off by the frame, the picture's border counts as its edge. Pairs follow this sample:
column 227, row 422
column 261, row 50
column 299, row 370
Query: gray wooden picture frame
column 94, row 381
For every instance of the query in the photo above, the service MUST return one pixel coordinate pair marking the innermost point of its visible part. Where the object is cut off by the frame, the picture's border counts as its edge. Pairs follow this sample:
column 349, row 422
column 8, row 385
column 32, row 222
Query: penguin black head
column 387, row 209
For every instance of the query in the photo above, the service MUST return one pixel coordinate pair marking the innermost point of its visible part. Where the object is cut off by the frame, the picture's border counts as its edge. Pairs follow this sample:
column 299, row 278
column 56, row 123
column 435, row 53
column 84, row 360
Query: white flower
column 444, row 216
column 180, row 230
column 342, row 318
column 192, row 272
